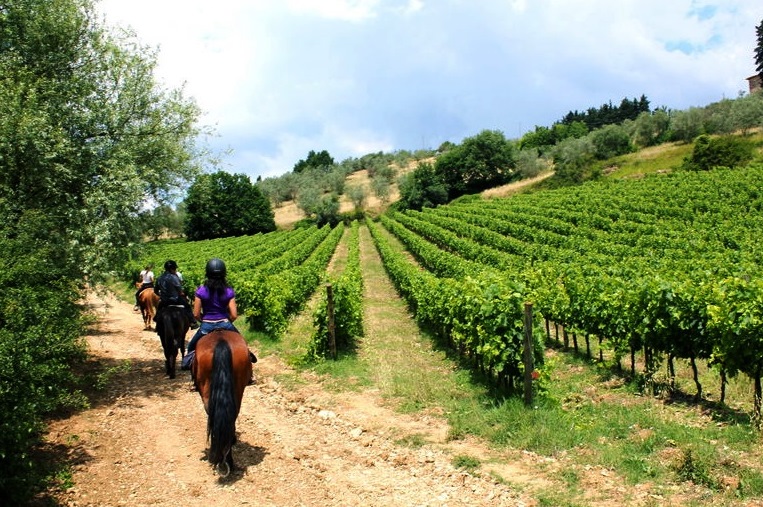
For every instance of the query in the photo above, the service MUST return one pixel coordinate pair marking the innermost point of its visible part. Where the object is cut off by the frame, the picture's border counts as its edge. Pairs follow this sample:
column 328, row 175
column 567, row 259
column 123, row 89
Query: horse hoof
column 223, row 469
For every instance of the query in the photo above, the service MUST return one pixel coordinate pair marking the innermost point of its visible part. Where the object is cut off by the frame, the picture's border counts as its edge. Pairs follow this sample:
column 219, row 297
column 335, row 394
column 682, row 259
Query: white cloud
column 279, row 78
column 347, row 10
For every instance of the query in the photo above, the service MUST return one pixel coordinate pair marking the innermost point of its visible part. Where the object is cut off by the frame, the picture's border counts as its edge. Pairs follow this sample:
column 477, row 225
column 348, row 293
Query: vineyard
column 668, row 265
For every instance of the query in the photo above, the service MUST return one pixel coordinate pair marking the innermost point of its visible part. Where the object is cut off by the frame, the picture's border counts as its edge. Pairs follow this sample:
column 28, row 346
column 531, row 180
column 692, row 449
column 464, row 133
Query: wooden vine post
column 527, row 354
column 332, row 327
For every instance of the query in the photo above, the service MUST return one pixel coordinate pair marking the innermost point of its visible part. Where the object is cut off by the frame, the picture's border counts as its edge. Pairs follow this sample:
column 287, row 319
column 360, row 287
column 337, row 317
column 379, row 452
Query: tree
column 223, row 204
column 687, row 124
column 162, row 220
column 479, row 162
column 327, row 211
column 759, row 50
column 572, row 159
column 422, row 188
column 381, row 188
column 529, row 163
column 610, row 141
column 724, row 151
column 86, row 138
column 314, row 160
column 358, row 195
column 650, row 129
column 86, row 135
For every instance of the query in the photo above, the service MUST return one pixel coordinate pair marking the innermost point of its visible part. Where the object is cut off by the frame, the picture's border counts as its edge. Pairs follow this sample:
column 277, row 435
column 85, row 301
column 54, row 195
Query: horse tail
column 222, row 410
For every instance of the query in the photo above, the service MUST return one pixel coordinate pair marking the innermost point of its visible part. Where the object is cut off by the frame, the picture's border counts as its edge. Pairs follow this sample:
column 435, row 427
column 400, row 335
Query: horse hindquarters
column 222, row 407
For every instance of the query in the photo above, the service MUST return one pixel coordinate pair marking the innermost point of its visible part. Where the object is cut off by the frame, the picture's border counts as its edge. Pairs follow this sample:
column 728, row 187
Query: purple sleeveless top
column 214, row 307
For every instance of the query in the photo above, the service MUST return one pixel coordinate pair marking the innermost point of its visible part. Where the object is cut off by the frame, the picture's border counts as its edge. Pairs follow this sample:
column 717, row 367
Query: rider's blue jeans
column 208, row 327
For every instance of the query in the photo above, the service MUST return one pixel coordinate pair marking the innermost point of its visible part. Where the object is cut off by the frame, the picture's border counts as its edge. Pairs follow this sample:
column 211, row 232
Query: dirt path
column 143, row 441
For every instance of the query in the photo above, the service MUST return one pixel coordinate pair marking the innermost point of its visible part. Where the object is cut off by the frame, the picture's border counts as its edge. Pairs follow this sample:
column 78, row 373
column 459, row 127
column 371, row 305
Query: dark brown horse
column 221, row 371
column 174, row 326
column 147, row 301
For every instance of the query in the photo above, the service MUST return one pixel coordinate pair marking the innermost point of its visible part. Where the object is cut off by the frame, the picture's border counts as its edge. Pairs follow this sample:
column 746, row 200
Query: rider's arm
column 197, row 308
column 232, row 310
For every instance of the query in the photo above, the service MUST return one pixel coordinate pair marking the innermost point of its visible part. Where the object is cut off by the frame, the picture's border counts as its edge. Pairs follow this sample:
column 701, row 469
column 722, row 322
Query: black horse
column 174, row 326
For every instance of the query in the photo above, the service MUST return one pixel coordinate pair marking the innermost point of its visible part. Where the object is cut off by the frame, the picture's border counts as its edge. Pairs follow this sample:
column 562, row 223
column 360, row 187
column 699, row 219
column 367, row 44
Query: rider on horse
column 214, row 306
column 146, row 281
column 170, row 292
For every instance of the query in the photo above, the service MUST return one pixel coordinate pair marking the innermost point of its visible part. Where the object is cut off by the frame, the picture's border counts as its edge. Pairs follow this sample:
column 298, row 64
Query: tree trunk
column 671, row 373
column 633, row 362
column 756, row 404
column 696, row 378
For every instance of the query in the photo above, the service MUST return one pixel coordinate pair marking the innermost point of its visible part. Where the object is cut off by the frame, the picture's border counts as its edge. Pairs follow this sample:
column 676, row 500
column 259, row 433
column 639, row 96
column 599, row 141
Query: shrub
column 39, row 340
column 725, row 151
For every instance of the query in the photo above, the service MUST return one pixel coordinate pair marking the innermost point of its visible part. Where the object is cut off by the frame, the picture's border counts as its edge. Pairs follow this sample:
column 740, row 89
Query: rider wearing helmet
column 214, row 306
column 170, row 292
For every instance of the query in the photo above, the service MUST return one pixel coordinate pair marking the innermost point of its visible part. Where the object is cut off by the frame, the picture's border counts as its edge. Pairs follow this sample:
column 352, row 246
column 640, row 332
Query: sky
column 276, row 79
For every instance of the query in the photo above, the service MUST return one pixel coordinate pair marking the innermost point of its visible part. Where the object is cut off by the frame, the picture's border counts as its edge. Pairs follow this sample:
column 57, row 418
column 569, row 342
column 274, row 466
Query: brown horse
column 221, row 371
column 147, row 301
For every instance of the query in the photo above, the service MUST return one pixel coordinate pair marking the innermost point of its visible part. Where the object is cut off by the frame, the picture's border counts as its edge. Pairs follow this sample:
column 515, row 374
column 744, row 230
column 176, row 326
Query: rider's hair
column 216, row 285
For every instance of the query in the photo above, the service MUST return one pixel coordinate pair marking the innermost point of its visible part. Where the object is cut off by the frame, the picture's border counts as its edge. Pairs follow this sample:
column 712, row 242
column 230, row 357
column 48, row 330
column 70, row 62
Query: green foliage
column 321, row 160
column 573, row 159
column 725, row 151
column 381, row 188
column 223, row 204
column 468, row 463
column 479, row 162
column 422, row 188
column 163, row 220
column 347, row 293
column 759, row 50
column 687, row 124
column 39, row 340
column 609, row 114
column 696, row 471
column 85, row 134
column 610, row 141
column 273, row 292
column 327, row 211
column 86, row 138
column 650, row 129
column 357, row 195
column 530, row 163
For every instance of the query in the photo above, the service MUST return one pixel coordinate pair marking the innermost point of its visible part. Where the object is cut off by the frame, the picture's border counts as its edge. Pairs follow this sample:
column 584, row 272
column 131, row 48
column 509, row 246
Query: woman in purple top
column 214, row 306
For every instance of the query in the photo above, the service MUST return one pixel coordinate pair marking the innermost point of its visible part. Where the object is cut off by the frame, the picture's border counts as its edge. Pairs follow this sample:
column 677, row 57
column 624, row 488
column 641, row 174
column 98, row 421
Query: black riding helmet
column 216, row 268
column 170, row 265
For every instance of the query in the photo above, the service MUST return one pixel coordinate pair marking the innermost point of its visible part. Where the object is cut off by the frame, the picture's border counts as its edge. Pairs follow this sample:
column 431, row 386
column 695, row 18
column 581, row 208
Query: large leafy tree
column 223, row 204
column 422, row 188
column 479, row 162
column 86, row 138
column 86, row 135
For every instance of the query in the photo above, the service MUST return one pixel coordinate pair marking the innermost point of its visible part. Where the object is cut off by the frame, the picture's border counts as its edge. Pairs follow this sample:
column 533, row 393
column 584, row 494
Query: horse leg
column 229, row 459
column 171, row 366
